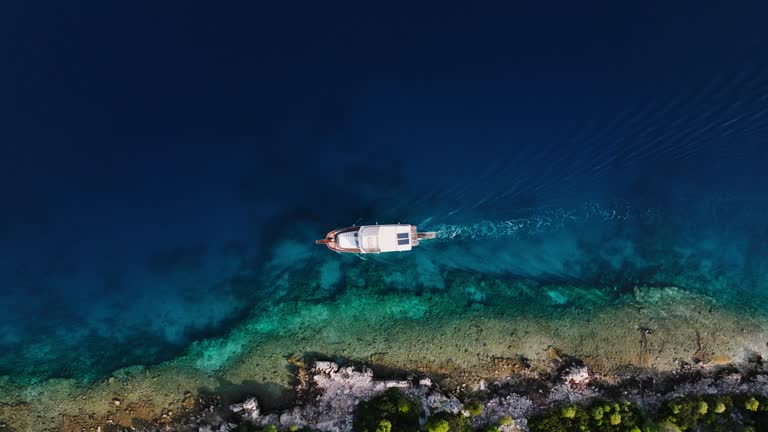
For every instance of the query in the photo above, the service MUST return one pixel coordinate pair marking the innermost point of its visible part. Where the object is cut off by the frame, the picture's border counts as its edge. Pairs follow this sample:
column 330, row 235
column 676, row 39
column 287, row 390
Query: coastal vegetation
column 474, row 408
column 600, row 416
column 392, row 411
column 447, row 422
column 711, row 413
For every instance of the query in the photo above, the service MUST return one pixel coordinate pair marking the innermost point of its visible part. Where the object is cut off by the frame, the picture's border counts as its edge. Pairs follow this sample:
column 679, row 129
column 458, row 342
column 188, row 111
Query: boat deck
column 349, row 240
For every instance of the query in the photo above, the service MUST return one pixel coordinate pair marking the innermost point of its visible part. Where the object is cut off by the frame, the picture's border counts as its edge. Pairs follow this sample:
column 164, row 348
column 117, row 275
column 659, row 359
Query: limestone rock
column 248, row 409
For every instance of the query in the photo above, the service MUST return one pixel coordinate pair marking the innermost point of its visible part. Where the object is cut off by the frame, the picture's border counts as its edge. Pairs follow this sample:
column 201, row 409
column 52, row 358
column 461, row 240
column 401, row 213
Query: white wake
column 543, row 221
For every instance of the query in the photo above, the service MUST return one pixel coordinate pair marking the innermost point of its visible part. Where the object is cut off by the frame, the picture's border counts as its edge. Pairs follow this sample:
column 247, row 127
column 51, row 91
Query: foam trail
column 545, row 221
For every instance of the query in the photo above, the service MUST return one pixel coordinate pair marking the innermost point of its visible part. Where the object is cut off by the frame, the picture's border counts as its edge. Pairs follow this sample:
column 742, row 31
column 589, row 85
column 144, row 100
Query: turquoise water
column 200, row 293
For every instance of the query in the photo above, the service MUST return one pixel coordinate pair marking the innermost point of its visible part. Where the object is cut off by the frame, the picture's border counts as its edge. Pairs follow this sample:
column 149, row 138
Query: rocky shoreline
column 328, row 394
column 647, row 348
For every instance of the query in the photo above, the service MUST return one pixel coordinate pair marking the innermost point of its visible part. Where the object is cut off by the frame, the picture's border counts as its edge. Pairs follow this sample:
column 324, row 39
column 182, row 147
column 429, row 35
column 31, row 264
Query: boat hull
column 332, row 239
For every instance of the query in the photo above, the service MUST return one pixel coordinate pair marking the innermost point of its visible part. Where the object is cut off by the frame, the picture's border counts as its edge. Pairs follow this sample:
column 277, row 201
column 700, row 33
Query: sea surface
column 162, row 169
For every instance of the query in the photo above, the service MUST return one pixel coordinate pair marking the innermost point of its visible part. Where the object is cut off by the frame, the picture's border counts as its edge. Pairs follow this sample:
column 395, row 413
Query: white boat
column 375, row 238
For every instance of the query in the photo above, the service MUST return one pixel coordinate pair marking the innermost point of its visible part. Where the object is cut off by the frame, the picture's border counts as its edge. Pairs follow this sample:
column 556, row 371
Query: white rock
column 438, row 402
column 577, row 376
column 248, row 409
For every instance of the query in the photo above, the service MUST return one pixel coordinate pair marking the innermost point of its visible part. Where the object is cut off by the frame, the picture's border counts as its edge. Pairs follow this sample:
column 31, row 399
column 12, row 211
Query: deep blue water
column 161, row 166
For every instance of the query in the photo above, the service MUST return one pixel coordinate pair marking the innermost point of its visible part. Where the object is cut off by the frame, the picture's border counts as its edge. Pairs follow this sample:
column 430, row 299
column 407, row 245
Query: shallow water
column 140, row 216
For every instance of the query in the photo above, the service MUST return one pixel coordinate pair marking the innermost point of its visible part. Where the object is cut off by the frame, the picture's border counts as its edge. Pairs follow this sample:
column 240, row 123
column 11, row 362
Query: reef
column 533, row 348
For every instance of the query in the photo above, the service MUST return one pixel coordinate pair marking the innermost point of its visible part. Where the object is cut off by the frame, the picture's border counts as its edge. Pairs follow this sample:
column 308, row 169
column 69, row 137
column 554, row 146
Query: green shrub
column 683, row 412
column 270, row 428
column 720, row 408
column 490, row 428
column 474, row 407
column 751, row 404
column 703, row 407
column 711, row 414
column 650, row 426
column 569, row 412
column 391, row 411
column 598, row 417
column 506, row 420
column 403, row 406
column 447, row 422
column 668, row 427
column 384, row 426
column 437, row 425
column 722, row 404
column 597, row 413
column 615, row 418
